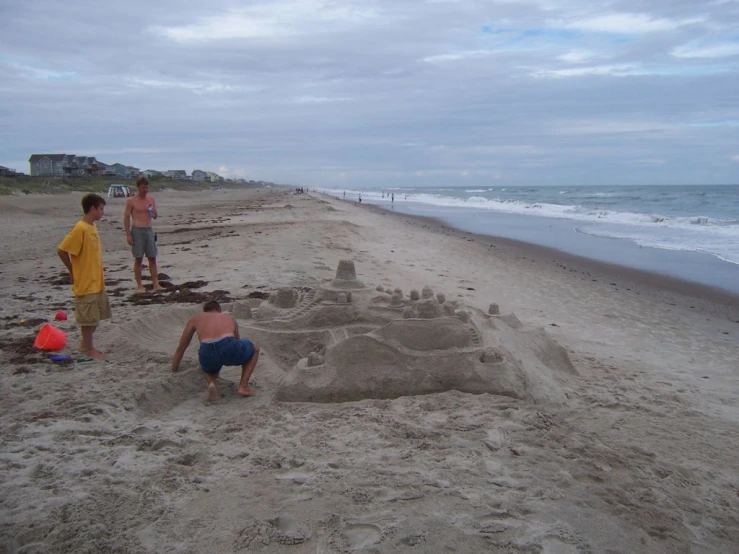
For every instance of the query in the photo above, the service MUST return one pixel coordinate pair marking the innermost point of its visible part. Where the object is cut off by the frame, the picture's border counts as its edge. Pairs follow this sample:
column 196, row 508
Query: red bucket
column 50, row 338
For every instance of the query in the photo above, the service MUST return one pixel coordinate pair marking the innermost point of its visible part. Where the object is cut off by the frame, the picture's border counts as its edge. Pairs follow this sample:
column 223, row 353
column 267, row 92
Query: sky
column 356, row 93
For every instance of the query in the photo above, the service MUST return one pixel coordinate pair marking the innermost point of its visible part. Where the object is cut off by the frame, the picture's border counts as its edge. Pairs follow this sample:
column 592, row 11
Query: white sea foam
column 716, row 242
column 698, row 233
column 578, row 213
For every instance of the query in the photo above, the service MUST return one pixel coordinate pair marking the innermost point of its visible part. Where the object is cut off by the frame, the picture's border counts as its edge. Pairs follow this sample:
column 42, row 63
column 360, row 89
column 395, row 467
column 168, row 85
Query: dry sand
column 601, row 417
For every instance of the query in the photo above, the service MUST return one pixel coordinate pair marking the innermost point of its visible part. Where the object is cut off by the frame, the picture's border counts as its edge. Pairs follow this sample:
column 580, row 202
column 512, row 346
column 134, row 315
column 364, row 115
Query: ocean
column 688, row 232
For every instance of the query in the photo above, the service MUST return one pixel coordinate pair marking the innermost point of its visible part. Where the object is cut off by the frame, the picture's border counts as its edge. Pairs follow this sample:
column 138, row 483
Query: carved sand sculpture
column 345, row 341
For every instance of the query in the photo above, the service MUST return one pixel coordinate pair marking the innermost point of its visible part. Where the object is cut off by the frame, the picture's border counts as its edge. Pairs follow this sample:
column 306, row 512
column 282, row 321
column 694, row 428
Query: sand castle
column 344, row 341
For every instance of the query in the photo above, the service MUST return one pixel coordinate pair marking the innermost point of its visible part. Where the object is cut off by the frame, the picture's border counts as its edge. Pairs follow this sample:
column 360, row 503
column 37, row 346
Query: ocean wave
column 577, row 212
column 723, row 247
column 716, row 236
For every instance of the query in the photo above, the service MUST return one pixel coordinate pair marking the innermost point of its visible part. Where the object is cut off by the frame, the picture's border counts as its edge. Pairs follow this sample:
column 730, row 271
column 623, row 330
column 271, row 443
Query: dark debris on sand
column 42, row 415
column 263, row 295
column 56, row 280
column 179, row 295
column 160, row 276
column 194, row 284
column 258, row 294
column 17, row 321
column 169, row 286
column 22, row 351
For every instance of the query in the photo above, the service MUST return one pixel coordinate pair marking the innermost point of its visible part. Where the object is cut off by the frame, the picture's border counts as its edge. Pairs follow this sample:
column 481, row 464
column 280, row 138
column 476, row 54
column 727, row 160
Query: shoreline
column 654, row 283
column 686, row 235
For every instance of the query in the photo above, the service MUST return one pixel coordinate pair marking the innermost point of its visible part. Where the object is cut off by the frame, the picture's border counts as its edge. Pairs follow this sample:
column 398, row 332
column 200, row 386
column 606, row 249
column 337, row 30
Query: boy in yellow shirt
column 82, row 254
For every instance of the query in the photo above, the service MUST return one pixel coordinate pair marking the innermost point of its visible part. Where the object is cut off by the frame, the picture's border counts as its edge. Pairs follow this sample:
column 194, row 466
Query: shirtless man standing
column 220, row 345
column 142, row 209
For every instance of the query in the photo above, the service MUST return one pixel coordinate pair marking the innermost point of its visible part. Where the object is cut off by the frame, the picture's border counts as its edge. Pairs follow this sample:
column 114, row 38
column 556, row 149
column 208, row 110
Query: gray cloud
column 358, row 93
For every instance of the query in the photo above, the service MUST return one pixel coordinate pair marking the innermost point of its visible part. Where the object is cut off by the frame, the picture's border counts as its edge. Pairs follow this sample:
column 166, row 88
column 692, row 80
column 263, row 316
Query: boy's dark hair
column 90, row 201
column 211, row 306
column 142, row 181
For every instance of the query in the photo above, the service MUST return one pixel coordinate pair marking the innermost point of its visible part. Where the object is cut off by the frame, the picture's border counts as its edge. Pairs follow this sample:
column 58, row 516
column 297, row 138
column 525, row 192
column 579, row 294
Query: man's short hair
column 142, row 181
column 211, row 306
column 90, row 201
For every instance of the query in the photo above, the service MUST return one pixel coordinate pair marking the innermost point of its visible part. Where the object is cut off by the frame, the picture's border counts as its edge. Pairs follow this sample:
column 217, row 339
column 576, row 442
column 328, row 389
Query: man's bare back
column 213, row 325
column 216, row 328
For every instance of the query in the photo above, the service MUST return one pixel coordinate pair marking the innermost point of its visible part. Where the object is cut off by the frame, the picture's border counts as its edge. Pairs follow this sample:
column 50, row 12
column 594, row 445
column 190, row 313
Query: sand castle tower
column 346, row 276
column 285, row 298
column 428, row 308
column 279, row 304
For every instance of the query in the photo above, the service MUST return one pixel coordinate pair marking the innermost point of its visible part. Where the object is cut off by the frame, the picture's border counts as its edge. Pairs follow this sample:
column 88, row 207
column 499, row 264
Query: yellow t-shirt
column 84, row 248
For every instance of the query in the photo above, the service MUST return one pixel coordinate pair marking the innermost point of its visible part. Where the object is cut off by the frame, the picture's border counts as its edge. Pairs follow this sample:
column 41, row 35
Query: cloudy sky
column 356, row 93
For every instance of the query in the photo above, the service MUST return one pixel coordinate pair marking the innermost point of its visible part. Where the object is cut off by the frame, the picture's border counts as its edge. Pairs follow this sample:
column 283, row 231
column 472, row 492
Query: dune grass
column 25, row 184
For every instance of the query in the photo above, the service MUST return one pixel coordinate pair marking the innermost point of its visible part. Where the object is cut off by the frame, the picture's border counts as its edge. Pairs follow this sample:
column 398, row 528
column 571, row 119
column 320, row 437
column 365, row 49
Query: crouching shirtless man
column 220, row 345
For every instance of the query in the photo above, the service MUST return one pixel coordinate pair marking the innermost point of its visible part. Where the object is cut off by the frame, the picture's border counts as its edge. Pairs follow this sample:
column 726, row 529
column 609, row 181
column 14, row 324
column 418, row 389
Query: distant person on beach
column 220, row 345
column 82, row 255
column 360, row 197
column 142, row 208
column 393, row 198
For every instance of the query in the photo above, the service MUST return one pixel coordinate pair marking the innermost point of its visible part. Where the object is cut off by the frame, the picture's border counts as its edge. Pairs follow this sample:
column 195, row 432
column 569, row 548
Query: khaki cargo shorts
column 90, row 309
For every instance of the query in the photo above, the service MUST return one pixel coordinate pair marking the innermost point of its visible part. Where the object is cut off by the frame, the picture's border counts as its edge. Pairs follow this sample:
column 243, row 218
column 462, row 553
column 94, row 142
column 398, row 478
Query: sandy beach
column 595, row 413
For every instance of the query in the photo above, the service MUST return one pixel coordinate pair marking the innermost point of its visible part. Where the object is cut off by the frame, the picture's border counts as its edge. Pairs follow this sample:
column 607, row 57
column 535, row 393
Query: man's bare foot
column 95, row 354
column 140, row 289
column 157, row 288
column 212, row 392
column 246, row 392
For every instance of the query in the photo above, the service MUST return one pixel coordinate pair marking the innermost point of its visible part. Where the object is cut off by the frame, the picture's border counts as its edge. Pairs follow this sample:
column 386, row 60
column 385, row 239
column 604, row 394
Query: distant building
column 118, row 170
column 49, row 164
column 65, row 165
column 214, row 177
column 6, row 170
column 199, row 175
column 176, row 174
column 152, row 173
column 84, row 165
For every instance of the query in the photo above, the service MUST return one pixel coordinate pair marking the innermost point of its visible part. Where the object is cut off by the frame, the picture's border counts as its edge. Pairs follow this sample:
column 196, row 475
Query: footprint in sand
column 282, row 530
column 496, row 439
column 494, row 522
column 563, row 540
column 362, row 535
column 298, row 477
